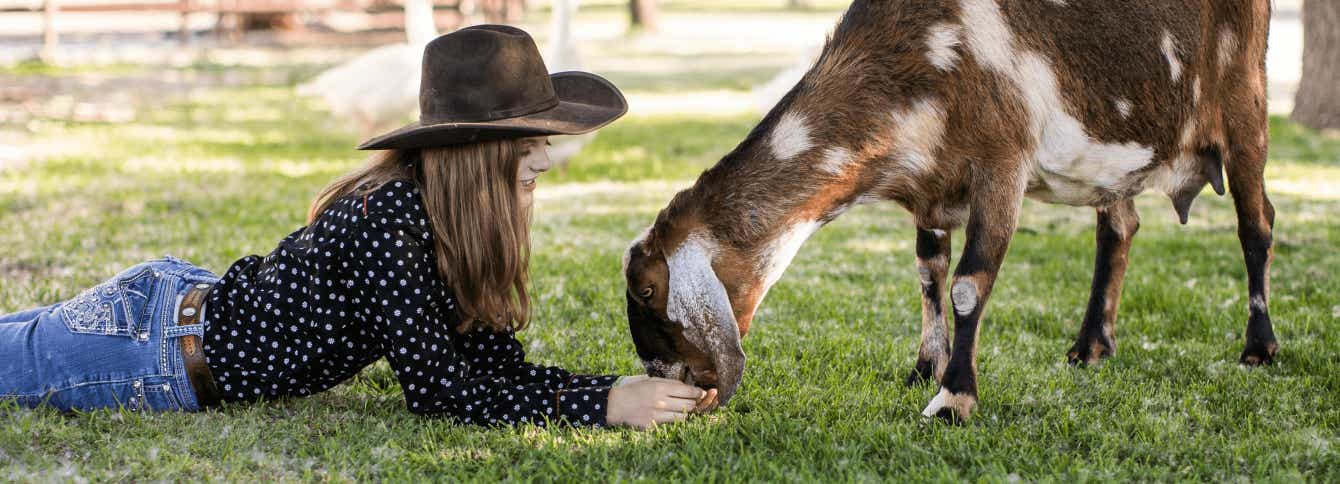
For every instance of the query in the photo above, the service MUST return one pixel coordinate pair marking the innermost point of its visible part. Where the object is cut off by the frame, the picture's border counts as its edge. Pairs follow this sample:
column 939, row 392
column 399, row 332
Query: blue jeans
column 113, row 346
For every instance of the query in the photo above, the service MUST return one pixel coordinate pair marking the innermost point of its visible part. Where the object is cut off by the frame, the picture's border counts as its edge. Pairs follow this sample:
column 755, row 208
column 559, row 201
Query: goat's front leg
column 992, row 220
column 932, row 266
column 1117, row 224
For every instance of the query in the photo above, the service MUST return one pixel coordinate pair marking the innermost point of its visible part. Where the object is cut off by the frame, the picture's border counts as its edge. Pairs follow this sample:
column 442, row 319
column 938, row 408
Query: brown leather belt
column 192, row 352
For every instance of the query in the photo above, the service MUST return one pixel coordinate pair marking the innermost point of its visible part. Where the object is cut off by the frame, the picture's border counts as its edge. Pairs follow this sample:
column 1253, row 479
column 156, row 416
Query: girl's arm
column 500, row 354
column 403, row 302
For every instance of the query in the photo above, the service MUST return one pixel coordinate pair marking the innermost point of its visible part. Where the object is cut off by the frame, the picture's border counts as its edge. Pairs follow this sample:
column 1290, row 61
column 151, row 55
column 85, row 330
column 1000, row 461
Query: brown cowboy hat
column 488, row 82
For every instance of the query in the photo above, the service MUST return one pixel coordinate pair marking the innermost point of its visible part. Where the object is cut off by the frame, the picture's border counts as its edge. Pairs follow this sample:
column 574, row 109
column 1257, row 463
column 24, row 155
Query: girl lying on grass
column 420, row 257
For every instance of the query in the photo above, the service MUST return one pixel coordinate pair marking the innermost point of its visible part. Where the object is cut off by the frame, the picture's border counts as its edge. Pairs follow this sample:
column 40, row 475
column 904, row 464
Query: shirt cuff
column 583, row 407
column 582, row 381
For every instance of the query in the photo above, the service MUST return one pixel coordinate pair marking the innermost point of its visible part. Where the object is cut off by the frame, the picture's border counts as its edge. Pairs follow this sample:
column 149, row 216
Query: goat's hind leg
column 1256, row 222
column 932, row 267
column 1117, row 224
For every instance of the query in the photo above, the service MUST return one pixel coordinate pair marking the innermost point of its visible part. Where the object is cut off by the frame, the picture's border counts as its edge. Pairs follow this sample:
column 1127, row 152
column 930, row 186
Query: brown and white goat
column 957, row 110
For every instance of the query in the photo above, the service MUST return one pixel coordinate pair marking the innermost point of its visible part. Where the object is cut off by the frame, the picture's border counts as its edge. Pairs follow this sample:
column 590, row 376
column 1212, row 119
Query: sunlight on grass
column 703, row 103
column 1311, row 182
column 163, row 165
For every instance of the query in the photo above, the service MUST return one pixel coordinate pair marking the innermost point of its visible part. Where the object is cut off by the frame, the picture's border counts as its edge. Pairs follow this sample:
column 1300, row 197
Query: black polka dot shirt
column 359, row 285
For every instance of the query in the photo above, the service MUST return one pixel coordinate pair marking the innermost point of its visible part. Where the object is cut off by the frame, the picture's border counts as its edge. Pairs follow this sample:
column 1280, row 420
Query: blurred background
column 121, row 60
column 126, row 118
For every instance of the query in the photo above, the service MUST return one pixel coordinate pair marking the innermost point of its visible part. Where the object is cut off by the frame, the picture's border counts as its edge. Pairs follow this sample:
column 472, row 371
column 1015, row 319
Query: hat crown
column 483, row 73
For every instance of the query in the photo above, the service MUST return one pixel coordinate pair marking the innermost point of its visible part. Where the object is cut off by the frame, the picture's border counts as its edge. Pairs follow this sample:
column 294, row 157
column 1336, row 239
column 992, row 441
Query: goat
column 957, row 110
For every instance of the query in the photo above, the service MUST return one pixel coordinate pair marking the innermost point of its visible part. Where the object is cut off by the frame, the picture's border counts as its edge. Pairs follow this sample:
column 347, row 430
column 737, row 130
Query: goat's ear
column 698, row 301
column 696, row 298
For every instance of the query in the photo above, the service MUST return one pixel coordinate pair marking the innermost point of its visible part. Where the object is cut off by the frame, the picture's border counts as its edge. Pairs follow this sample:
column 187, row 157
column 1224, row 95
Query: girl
column 420, row 258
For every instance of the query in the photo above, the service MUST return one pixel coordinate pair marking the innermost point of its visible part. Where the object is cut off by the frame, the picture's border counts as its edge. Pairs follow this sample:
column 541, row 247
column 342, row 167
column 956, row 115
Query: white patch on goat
column 628, row 254
column 917, row 132
column 779, row 252
column 964, row 296
column 988, row 37
column 925, row 273
column 1258, row 303
column 942, row 40
column 938, row 232
column 790, row 137
column 1123, row 107
column 1099, row 161
column 1064, row 150
column 1228, row 45
column 1170, row 51
column 835, row 160
column 938, row 403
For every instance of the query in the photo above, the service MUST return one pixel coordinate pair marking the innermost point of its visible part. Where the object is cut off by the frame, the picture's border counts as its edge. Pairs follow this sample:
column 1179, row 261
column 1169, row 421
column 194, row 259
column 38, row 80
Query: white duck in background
column 563, row 56
column 380, row 88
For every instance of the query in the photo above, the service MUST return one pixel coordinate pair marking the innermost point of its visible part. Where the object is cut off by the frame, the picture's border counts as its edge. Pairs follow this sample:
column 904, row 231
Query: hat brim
column 586, row 102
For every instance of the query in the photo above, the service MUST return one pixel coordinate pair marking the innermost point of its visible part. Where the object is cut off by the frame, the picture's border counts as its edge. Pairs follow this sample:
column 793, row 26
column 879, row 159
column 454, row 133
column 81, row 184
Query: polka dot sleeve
column 477, row 378
column 500, row 354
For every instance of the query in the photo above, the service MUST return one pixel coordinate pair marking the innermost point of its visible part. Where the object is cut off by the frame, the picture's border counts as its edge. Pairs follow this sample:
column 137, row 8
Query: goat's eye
column 647, row 292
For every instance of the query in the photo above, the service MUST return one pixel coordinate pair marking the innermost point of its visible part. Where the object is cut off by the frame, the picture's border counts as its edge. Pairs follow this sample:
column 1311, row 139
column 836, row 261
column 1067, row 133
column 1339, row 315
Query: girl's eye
column 548, row 143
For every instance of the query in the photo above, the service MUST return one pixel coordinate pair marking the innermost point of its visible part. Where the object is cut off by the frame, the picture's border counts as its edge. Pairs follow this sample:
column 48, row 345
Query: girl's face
column 534, row 161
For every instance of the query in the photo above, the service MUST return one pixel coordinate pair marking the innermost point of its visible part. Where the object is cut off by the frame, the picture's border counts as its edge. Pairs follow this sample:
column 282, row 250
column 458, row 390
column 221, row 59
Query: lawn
column 222, row 173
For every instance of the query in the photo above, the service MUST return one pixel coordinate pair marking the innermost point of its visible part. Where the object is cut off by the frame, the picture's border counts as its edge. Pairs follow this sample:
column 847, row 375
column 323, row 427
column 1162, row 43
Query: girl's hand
column 641, row 402
column 705, row 404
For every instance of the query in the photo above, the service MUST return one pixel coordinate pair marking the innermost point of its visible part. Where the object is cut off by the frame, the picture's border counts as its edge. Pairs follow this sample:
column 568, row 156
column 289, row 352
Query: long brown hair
column 481, row 238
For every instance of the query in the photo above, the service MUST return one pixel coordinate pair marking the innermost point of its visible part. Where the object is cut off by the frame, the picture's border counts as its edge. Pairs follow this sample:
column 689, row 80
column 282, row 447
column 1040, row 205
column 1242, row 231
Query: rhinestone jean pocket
column 110, row 308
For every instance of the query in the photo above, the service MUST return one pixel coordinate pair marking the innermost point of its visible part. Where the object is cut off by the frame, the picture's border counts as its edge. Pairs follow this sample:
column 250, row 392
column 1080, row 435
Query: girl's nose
column 540, row 162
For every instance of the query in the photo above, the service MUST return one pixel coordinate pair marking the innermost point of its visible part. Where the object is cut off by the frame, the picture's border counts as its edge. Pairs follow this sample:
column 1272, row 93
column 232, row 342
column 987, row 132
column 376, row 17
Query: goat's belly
column 1076, row 170
column 1053, row 188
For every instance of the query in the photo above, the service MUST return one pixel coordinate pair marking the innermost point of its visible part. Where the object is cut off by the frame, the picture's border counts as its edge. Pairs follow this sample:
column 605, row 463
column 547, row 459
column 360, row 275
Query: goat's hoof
column 1259, row 353
column 923, row 372
column 1090, row 351
column 951, row 408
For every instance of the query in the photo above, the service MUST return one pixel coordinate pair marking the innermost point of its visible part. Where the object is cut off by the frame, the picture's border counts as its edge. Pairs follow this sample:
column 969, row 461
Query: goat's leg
column 992, row 219
column 1117, row 224
column 933, row 267
column 1256, row 222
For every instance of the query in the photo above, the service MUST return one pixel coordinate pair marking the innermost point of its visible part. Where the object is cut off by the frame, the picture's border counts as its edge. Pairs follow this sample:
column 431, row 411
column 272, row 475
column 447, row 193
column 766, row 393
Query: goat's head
column 697, row 276
column 690, row 300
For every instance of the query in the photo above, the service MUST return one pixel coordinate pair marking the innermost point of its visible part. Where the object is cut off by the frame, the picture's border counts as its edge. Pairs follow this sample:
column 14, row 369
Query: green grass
column 227, row 173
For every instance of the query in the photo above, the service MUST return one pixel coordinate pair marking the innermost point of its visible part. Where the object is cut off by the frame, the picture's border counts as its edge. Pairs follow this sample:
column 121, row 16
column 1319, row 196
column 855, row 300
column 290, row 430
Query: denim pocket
column 152, row 397
column 116, row 307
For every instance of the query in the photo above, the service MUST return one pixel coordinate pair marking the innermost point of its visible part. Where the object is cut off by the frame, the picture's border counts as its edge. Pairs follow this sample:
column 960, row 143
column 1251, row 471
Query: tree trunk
column 495, row 11
column 49, row 36
column 1317, row 104
column 643, row 13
